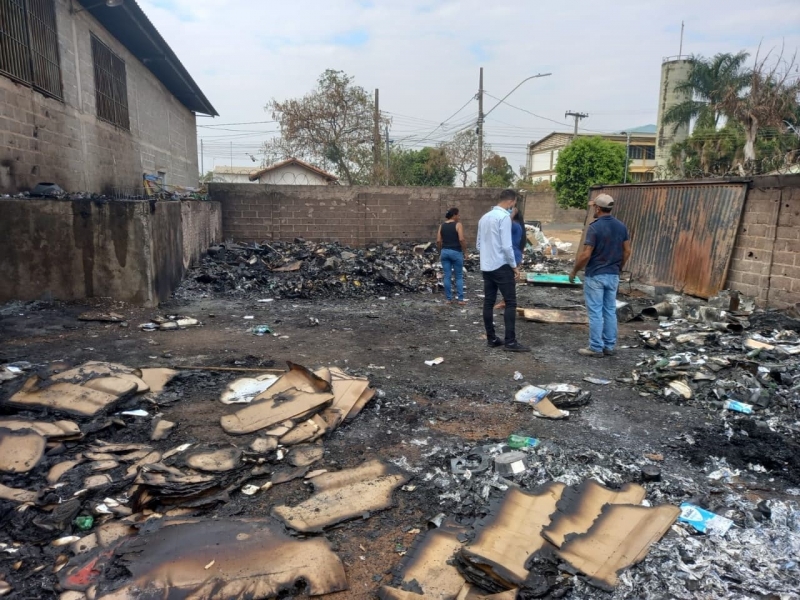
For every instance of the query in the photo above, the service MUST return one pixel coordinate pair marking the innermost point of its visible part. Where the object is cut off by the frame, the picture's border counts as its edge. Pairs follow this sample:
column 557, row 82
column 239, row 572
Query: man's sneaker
column 495, row 343
column 590, row 352
column 516, row 347
column 609, row 352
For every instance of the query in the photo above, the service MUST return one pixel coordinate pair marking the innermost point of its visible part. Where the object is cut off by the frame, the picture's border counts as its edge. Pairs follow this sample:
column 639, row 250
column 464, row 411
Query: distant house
column 293, row 172
column 543, row 154
column 92, row 98
column 222, row 174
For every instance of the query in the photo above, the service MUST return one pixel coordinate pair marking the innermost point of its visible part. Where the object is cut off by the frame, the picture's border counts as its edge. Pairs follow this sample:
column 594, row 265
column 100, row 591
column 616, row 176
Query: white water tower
column 674, row 71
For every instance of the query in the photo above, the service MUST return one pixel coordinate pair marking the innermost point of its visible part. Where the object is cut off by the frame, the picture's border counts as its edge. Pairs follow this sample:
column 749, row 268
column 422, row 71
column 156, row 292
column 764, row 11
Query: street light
column 627, row 154
column 482, row 116
column 108, row 3
column 515, row 89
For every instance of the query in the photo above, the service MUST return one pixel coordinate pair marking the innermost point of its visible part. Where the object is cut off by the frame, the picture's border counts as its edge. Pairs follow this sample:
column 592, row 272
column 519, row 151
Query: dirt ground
column 461, row 402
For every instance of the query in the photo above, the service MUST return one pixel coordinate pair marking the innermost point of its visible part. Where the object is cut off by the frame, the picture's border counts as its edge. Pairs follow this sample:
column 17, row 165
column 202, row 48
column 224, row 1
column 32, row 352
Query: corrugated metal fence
column 682, row 233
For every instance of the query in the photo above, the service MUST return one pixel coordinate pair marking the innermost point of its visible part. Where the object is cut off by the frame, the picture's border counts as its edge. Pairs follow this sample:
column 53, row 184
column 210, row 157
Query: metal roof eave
column 136, row 32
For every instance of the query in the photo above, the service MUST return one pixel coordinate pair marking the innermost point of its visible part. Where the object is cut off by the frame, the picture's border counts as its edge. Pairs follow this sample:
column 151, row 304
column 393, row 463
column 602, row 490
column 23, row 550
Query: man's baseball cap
column 604, row 201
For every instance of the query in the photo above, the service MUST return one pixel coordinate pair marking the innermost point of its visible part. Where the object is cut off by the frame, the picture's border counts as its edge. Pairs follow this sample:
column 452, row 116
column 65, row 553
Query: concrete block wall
column 351, row 215
column 764, row 263
column 126, row 250
column 542, row 206
column 201, row 223
column 44, row 139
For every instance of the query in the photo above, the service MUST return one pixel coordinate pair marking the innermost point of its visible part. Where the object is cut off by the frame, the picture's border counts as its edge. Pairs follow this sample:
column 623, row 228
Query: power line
column 448, row 118
column 230, row 124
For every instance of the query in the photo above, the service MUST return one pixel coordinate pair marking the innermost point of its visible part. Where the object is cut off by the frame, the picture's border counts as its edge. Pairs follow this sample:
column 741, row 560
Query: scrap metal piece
column 510, row 463
column 476, row 462
column 620, row 537
column 580, row 505
column 428, row 568
column 249, row 559
column 662, row 309
column 20, row 450
column 344, row 495
column 495, row 559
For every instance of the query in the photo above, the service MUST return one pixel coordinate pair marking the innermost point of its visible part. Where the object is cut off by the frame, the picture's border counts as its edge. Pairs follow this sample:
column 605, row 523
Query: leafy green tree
column 719, row 152
column 585, row 162
column 497, row 172
column 425, row 167
column 710, row 80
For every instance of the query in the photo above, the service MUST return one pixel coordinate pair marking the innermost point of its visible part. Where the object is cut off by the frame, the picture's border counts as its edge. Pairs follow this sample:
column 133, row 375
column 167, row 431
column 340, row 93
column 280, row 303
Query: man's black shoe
column 496, row 343
column 516, row 347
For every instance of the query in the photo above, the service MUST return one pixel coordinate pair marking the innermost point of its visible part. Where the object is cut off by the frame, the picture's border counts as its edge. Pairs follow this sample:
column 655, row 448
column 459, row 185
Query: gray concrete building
column 92, row 98
column 674, row 71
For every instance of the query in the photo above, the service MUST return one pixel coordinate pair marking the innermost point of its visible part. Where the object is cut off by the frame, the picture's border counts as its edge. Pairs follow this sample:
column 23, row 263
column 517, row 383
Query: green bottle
column 520, row 441
column 84, row 522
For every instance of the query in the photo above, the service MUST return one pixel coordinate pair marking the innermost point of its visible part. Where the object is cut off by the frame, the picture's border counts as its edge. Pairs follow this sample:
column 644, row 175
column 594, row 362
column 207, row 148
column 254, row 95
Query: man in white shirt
column 500, row 271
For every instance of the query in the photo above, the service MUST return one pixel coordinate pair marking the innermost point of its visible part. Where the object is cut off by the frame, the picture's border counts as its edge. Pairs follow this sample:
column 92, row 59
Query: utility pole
column 627, row 154
column 578, row 116
column 387, row 154
column 376, row 141
column 480, row 130
column 202, row 168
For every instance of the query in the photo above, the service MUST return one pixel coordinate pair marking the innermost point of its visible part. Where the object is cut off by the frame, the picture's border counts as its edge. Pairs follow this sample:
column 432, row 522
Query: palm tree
column 771, row 99
column 710, row 81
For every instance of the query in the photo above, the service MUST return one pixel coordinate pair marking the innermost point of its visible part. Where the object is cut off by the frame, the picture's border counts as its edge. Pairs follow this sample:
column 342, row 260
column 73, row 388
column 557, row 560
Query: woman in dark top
column 518, row 241
column 452, row 246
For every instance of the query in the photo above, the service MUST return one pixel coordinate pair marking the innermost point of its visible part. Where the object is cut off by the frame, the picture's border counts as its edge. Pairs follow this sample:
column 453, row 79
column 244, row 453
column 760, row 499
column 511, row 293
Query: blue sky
column 424, row 56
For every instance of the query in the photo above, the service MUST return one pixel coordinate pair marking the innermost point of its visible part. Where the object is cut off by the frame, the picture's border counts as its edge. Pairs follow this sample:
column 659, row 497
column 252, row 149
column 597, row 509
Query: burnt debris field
column 279, row 433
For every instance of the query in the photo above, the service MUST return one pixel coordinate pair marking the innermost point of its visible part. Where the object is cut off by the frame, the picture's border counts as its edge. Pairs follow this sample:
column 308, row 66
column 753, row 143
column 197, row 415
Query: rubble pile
column 92, row 476
column 561, row 492
column 303, row 269
column 744, row 369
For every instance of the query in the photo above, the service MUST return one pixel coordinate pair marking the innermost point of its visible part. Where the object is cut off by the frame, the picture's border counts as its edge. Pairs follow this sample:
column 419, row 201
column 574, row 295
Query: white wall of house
column 292, row 175
column 63, row 141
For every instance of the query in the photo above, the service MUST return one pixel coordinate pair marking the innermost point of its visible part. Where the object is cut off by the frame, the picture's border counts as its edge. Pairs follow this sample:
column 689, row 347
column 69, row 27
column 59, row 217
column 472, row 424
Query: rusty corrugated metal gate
column 682, row 233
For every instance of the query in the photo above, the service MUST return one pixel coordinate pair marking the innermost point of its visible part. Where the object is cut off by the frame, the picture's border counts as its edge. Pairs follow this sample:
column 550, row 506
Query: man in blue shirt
column 605, row 251
column 500, row 271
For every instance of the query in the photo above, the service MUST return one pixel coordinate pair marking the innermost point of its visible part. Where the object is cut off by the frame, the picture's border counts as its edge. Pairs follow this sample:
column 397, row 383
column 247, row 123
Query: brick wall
column 43, row 139
column 765, row 262
column 351, row 215
column 542, row 206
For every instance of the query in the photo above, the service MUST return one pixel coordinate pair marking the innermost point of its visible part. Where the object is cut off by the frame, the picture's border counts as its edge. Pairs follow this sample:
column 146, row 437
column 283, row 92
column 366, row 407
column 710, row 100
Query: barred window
column 110, row 85
column 29, row 44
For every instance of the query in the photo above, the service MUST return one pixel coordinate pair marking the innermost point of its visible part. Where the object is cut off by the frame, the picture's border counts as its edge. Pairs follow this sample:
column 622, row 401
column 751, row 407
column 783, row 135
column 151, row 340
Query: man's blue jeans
column 601, row 304
column 453, row 262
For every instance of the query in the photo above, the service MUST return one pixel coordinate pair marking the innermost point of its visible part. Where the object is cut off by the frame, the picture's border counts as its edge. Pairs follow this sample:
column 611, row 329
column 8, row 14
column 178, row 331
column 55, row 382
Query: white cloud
column 605, row 56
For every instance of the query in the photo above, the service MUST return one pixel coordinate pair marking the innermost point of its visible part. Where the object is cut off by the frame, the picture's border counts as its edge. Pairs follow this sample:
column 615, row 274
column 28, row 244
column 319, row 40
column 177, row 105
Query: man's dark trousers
column 501, row 279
